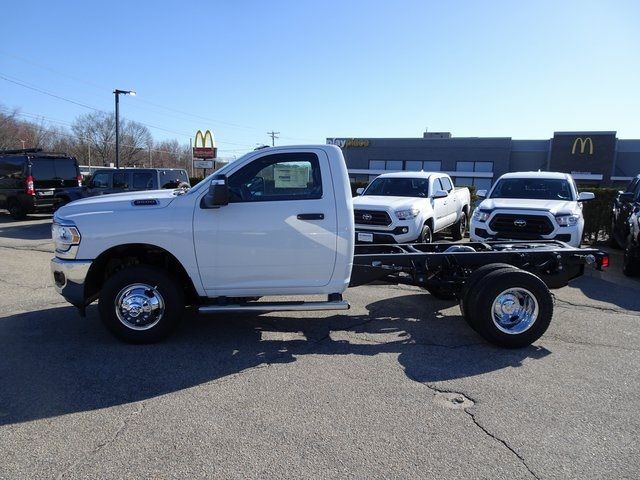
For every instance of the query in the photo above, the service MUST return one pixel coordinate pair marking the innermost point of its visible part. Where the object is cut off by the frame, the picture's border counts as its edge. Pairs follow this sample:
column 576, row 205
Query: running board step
column 276, row 307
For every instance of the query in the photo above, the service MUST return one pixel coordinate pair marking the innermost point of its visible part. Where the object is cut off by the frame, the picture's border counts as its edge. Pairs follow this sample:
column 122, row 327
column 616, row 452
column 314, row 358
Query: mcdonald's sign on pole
column 204, row 146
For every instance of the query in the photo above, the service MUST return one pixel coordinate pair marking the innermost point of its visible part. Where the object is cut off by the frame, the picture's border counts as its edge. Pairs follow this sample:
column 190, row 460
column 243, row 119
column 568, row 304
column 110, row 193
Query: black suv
column 33, row 181
column 106, row 181
column 624, row 205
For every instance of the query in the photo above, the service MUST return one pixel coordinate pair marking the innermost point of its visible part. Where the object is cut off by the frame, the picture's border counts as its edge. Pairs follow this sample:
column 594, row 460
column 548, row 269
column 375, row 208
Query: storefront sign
column 348, row 142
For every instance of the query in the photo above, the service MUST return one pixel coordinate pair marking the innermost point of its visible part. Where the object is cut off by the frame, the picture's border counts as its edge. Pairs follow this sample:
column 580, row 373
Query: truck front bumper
column 69, row 278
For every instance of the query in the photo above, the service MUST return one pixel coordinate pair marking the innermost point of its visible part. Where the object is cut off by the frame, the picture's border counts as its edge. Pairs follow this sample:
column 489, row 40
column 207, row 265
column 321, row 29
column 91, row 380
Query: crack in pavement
column 595, row 307
column 475, row 421
column 112, row 438
column 28, row 248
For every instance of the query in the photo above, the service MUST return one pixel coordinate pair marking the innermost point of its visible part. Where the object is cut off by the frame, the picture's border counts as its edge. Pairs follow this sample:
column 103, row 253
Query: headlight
column 481, row 215
column 567, row 220
column 64, row 236
column 407, row 214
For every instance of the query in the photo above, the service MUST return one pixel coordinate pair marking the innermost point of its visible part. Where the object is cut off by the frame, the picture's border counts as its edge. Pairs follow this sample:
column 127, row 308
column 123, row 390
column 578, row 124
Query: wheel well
column 122, row 256
column 429, row 222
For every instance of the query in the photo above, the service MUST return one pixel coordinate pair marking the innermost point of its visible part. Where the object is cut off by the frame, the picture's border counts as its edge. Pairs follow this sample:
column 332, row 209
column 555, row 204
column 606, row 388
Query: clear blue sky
column 321, row 69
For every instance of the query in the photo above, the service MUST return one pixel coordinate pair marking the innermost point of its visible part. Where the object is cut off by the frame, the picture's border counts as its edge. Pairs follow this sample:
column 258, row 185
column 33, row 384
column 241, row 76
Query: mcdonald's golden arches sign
column 580, row 146
column 204, row 146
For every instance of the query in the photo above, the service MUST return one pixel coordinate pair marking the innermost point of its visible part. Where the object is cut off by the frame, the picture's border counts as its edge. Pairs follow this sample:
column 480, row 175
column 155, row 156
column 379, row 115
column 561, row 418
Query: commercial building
column 591, row 157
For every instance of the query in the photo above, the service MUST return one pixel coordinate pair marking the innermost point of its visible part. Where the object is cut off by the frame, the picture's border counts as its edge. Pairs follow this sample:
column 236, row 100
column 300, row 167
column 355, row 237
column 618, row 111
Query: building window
column 376, row 164
column 482, row 183
column 385, row 164
column 463, row 181
column 416, row 166
column 483, row 167
column 394, row 165
column 474, row 166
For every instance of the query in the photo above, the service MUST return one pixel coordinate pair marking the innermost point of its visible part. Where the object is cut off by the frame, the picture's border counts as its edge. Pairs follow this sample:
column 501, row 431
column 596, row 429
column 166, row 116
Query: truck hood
column 118, row 202
column 552, row 206
column 384, row 202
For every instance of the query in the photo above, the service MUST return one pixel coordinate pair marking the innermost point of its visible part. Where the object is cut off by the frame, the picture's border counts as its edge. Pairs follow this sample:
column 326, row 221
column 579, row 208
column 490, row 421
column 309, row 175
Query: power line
column 39, row 90
column 175, row 110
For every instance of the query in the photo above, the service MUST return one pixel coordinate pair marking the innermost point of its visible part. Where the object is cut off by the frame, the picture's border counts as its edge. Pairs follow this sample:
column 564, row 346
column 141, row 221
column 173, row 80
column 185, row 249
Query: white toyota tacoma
column 531, row 206
column 279, row 221
column 409, row 207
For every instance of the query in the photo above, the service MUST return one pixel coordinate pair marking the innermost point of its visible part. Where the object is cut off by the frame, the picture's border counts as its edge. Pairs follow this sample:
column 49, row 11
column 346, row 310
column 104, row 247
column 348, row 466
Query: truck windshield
column 399, row 187
column 533, row 188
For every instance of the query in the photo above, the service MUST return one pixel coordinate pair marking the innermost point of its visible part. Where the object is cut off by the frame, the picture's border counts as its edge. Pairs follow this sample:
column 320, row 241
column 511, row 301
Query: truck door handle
column 311, row 216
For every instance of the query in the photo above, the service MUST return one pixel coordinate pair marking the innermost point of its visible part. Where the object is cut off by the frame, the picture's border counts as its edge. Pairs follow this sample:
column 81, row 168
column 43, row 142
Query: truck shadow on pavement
column 55, row 363
column 10, row 228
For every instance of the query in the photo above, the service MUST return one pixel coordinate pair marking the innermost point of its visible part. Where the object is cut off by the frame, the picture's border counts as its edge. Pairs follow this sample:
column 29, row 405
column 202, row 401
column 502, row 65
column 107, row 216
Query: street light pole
column 117, row 94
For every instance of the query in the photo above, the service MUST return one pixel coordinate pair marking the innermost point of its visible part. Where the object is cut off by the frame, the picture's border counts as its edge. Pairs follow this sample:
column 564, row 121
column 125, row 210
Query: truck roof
column 410, row 174
column 556, row 175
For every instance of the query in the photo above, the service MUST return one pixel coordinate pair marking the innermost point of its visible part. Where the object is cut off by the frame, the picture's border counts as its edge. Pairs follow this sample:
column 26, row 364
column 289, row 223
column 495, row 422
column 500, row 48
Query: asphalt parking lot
column 398, row 387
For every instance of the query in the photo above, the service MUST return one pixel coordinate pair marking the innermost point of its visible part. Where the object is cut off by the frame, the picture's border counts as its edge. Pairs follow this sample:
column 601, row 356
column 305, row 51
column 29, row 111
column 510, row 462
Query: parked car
column 32, row 180
column 531, row 206
column 409, row 207
column 279, row 221
column 105, row 181
column 624, row 205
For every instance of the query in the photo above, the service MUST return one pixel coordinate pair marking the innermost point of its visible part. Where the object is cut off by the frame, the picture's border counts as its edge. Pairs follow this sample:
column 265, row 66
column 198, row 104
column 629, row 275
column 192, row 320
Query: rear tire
column 141, row 304
column 459, row 229
column 16, row 210
column 513, row 309
column 469, row 292
column 630, row 263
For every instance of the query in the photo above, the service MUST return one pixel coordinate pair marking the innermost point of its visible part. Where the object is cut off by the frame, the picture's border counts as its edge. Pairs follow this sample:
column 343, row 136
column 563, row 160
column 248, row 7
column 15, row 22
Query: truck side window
column 120, row 180
column 284, row 176
column 142, row 181
column 100, row 180
column 446, row 184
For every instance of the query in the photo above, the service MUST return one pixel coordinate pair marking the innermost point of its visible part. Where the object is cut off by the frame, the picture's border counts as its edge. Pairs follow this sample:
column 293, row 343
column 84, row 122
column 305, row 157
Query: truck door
column 440, row 206
column 279, row 231
column 452, row 201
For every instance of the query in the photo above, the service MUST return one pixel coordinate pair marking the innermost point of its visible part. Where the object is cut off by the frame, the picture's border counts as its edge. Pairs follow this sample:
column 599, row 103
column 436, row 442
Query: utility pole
column 273, row 136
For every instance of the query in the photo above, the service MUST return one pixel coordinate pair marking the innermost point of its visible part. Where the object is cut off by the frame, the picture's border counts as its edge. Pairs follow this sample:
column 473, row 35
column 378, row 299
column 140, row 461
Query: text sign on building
column 348, row 142
column 592, row 152
column 204, row 146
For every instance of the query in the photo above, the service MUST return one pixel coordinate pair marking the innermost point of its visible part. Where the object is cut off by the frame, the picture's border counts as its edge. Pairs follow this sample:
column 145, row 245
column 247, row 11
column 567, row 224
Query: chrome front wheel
column 141, row 303
column 139, row 306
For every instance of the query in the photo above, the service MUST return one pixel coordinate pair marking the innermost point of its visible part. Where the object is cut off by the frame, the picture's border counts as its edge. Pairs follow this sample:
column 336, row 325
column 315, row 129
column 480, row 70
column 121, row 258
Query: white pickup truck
column 279, row 221
column 531, row 206
column 409, row 207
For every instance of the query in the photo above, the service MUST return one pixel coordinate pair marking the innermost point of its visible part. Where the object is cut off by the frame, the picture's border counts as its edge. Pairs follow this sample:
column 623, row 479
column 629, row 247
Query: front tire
column 426, row 235
column 459, row 229
column 513, row 309
column 141, row 304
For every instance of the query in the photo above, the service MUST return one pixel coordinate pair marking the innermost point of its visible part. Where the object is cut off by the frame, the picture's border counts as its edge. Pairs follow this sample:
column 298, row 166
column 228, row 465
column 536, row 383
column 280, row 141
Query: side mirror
column 585, row 196
column 481, row 194
column 359, row 191
column 625, row 197
column 440, row 194
column 218, row 194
